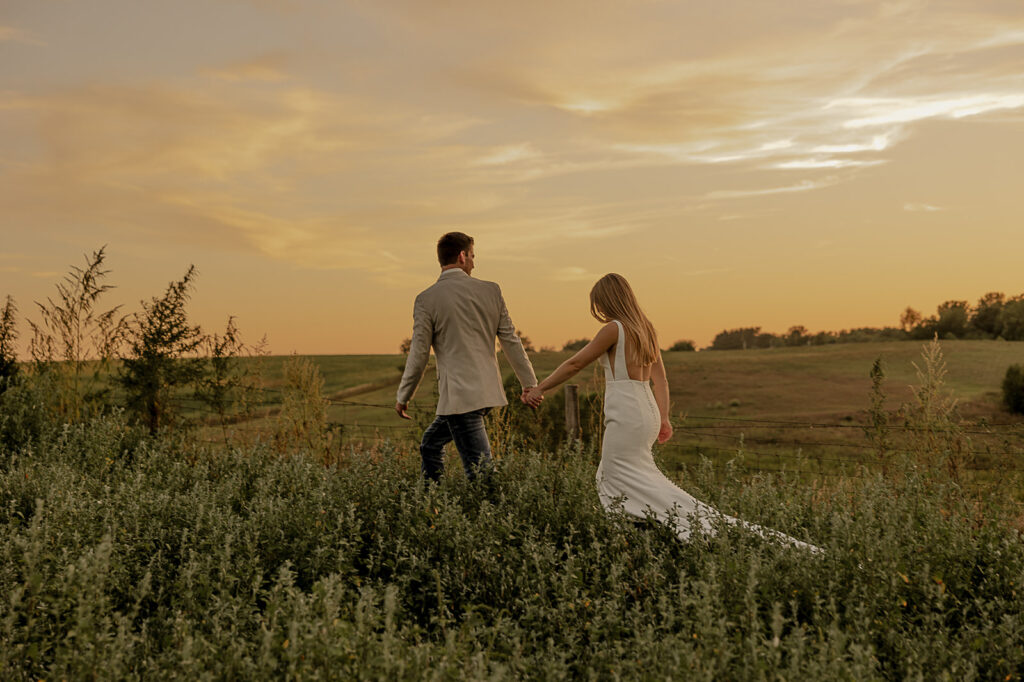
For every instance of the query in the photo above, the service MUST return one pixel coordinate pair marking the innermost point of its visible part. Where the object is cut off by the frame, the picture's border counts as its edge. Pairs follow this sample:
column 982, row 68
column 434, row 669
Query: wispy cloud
column 507, row 154
column 803, row 164
column 268, row 68
column 926, row 208
column 802, row 186
column 572, row 273
column 17, row 35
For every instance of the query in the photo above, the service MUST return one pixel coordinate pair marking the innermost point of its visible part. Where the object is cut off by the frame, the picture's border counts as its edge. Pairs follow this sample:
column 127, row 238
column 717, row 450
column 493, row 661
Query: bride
column 634, row 416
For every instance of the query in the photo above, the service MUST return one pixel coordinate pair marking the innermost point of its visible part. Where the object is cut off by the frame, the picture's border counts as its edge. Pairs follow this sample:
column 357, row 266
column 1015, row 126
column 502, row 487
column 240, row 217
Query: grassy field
column 722, row 400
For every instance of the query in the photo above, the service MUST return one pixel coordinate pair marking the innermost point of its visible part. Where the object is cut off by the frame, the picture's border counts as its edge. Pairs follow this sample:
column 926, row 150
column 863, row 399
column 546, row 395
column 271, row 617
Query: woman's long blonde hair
column 612, row 299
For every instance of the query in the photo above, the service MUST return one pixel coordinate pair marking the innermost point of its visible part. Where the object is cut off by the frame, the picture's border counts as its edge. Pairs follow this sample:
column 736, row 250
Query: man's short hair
column 451, row 245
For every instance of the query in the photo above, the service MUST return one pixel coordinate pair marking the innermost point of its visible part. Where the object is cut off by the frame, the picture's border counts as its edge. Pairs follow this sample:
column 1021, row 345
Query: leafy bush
column 160, row 358
column 24, row 413
column 1013, row 388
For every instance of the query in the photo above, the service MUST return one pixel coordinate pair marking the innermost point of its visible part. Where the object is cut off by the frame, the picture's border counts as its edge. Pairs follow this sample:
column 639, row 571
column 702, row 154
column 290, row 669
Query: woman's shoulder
column 610, row 330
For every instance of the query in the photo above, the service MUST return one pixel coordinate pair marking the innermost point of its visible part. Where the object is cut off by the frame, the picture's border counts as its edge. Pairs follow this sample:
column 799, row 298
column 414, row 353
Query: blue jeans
column 470, row 436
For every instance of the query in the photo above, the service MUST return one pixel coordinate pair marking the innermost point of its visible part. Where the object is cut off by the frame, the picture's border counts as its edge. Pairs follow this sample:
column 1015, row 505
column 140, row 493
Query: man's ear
column 462, row 258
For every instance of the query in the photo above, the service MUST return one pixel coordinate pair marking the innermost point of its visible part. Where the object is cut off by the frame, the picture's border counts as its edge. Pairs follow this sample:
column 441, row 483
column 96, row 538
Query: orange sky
column 823, row 163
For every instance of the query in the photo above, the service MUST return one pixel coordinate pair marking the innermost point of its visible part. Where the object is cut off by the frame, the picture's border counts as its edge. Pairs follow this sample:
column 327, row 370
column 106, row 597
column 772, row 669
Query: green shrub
column 1013, row 388
column 161, row 348
column 24, row 412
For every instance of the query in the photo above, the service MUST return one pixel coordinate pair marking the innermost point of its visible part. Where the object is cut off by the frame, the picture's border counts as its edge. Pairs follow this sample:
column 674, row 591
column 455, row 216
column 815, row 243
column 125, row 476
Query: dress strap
column 620, row 354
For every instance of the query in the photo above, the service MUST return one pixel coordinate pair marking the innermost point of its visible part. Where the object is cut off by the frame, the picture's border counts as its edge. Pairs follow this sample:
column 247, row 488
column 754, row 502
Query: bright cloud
column 881, row 112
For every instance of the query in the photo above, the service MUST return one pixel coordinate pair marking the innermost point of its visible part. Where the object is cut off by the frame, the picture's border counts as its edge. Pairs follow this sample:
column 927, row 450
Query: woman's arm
column 661, row 398
column 604, row 340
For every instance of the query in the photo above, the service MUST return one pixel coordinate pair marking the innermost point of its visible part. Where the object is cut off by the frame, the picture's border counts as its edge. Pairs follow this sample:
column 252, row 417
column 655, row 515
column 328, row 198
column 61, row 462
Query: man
column 460, row 316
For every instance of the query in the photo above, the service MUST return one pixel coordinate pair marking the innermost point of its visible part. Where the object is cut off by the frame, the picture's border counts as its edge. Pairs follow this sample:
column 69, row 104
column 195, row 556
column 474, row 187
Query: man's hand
column 532, row 396
column 401, row 408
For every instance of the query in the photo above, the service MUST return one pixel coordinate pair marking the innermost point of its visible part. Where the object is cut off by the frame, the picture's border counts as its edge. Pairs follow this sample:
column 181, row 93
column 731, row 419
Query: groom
column 460, row 317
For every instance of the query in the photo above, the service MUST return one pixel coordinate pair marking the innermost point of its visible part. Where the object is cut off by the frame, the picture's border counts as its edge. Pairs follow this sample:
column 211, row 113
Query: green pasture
column 813, row 382
column 799, row 408
column 787, row 408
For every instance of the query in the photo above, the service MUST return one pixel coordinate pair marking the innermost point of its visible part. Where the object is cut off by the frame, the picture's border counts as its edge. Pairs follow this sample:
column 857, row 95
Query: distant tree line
column 995, row 316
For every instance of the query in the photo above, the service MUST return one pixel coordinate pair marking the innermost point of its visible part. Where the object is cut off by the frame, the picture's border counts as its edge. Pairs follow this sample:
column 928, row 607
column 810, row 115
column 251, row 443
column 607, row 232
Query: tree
column 683, row 345
column 525, row 340
column 987, row 313
column 796, row 336
column 1012, row 319
column 951, row 319
column 736, row 339
column 160, row 343
column 405, row 346
column 910, row 319
column 575, row 344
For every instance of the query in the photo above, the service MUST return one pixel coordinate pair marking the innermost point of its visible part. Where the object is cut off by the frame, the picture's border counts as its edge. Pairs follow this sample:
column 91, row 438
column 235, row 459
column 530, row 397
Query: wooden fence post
column 572, row 412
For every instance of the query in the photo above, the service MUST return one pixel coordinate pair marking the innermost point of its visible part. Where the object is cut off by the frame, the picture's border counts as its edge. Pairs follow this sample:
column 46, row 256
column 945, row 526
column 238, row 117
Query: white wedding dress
column 628, row 478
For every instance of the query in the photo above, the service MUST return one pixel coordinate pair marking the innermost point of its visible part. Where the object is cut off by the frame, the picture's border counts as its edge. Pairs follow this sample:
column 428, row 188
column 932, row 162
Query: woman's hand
column 665, row 433
column 533, row 396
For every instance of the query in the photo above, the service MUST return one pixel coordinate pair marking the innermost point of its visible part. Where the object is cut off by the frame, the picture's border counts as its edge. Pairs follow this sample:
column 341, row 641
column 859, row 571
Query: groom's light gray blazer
column 460, row 316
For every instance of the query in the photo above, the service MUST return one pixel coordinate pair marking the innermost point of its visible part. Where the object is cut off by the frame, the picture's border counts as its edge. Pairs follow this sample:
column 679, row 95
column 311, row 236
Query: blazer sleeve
column 419, row 352
column 513, row 347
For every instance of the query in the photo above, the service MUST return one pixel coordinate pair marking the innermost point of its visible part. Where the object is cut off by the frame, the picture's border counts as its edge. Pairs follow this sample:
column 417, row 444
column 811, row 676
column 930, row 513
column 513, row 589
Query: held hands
column 665, row 432
column 532, row 396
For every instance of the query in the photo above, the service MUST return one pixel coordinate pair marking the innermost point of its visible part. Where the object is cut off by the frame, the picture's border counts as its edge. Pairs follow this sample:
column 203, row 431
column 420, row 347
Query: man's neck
column 445, row 268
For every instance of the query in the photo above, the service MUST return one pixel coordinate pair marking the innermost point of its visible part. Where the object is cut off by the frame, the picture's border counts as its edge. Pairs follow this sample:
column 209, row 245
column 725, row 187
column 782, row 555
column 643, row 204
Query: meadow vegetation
column 126, row 556
column 131, row 550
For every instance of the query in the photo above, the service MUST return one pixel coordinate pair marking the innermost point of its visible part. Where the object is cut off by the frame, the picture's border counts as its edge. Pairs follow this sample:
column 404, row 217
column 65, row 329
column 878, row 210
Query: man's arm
column 512, row 346
column 419, row 353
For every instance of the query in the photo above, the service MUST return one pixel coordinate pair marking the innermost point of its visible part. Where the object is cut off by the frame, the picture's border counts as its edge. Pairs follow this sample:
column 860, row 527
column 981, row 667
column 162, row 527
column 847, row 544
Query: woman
column 634, row 415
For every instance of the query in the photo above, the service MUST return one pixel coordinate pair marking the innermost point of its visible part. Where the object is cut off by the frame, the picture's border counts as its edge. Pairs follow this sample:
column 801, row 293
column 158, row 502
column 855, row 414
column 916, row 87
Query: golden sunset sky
column 814, row 162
